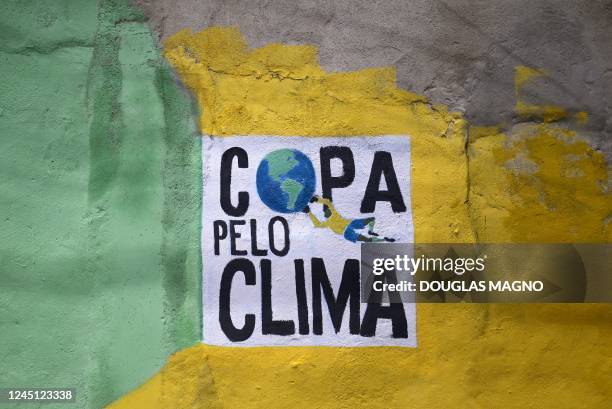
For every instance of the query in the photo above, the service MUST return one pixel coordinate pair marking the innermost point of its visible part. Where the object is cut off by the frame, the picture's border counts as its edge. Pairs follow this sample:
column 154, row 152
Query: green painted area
column 293, row 188
column 280, row 162
column 99, row 201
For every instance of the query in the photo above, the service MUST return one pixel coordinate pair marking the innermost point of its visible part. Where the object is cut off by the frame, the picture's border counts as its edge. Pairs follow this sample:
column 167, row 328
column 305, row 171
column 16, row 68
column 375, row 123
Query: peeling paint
column 491, row 185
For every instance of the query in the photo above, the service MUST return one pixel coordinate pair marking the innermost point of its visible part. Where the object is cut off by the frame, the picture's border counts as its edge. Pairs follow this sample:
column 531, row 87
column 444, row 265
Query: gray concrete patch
column 461, row 53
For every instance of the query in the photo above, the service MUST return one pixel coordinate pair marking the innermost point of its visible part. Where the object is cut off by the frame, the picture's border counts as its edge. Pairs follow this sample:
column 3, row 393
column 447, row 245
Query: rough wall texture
column 98, row 186
column 509, row 107
column 460, row 53
column 463, row 190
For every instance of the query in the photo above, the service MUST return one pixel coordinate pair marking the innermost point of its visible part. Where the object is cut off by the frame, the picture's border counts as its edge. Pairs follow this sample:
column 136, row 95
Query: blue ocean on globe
column 286, row 180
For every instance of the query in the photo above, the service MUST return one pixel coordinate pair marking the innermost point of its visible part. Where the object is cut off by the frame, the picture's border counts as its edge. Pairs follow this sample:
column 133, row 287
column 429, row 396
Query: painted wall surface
column 99, row 158
column 508, row 104
column 272, row 259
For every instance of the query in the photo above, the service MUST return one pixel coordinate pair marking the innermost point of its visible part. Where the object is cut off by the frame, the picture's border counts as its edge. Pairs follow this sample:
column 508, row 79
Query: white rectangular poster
column 283, row 219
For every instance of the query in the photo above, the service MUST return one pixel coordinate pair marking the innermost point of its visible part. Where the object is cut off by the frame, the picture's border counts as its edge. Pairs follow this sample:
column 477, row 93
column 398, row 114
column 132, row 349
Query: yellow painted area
column 547, row 113
column 582, row 117
column 538, row 183
column 335, row 221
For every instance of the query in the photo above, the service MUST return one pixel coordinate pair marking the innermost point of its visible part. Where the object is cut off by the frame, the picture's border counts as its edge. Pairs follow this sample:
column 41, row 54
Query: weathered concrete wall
column 508, row 104
column 497, row 187
column 460, row 53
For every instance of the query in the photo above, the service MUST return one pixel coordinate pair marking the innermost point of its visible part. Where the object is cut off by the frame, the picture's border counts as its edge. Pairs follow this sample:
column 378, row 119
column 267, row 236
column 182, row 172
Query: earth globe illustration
column 286, row 180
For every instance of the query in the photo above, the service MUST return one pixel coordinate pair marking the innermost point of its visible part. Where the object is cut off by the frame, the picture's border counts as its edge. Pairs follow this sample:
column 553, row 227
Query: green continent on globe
column 280, row 162
column 293, row 188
